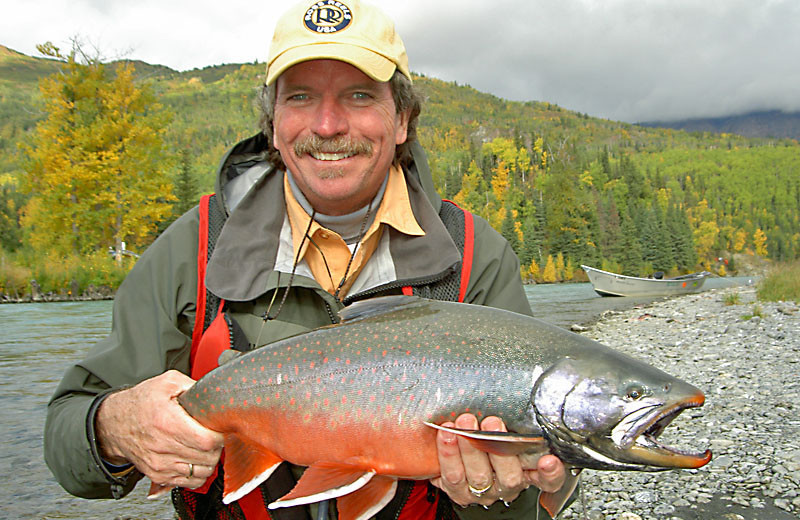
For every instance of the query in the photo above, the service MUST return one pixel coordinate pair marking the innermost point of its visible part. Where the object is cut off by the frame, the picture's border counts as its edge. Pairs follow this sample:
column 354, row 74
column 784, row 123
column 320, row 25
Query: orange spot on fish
column 291, row 401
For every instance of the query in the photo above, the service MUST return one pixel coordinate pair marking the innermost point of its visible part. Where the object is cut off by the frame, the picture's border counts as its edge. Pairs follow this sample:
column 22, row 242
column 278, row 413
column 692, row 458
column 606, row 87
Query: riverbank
column 74, row 294
column 746, row 358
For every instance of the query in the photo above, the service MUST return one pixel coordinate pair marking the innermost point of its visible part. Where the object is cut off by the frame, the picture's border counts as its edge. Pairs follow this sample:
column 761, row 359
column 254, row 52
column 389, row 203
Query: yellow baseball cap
column 351, row 31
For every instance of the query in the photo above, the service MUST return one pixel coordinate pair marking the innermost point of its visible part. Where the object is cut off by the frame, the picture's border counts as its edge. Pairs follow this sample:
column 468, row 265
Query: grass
column 756, row 312
column 782, row 283
column 59, row 274
column 733, row 299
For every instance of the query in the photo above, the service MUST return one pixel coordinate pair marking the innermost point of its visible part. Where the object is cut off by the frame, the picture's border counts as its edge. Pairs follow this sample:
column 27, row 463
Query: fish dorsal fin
column 322, row 481
column 367, row 501
column 499, row 443
column 246, row 466
column 375, row 306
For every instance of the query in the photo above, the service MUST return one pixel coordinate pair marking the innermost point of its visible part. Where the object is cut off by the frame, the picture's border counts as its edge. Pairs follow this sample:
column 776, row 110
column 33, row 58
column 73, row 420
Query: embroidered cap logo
column 328, row 17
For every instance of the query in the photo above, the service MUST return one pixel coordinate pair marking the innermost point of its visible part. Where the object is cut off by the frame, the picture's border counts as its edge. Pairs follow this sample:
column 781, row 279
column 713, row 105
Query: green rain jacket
column 154, row 308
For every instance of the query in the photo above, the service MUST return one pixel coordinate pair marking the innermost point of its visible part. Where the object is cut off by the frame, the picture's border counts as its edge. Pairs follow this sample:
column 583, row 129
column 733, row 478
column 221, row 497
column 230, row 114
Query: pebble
column 748, row 369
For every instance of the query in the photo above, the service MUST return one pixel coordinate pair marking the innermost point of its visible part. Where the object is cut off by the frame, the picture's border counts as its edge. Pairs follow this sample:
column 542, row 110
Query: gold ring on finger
column 479, row 492
column 191, row 469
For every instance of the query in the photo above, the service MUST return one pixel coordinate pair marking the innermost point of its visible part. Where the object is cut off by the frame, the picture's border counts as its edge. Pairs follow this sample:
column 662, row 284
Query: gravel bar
column 746, row 358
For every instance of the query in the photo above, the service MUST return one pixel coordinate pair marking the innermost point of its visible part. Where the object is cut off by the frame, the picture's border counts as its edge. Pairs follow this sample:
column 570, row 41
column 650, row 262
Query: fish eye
column 667, row 387
column 634, row 392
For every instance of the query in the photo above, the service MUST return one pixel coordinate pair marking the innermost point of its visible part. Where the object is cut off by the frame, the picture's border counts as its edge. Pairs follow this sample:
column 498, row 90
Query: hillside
column 771, row 123
column 552, row 180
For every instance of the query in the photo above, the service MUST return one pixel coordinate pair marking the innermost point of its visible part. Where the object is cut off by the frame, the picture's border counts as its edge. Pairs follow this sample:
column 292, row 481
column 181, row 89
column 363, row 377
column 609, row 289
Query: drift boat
column 612, row 284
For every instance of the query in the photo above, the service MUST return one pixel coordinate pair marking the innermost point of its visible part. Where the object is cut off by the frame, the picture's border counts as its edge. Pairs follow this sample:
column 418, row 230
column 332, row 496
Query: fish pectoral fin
column 553, row 503
column 156, row 490
column 247, row 465
column 367, row 501
column 499, row 443
column 324, row 480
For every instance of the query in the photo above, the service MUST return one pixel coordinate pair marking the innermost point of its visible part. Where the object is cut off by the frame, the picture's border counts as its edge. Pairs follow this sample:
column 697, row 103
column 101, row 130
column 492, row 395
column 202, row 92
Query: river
column 40, row 340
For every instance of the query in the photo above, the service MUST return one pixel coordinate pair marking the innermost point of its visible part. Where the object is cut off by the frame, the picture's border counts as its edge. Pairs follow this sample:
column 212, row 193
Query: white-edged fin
column 248, row 486
column 499, row 443
column 553, row 503
column 369, row 500
column 157, row 491
column 325, row 495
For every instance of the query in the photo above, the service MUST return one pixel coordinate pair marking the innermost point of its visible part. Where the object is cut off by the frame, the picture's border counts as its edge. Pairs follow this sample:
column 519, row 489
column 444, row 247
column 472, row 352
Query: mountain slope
column 770, row 123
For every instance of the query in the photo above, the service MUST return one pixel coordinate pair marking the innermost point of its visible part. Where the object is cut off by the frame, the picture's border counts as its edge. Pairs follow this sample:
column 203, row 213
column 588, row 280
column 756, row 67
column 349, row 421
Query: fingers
column 510, row 479
column 145, row 425
column 549, row 474
column 470, row 476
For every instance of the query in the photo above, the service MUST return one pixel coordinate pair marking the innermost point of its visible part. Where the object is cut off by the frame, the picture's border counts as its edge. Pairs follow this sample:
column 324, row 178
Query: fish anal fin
column 553, row 503
column 499, row 443
column 367, row 501
column 324, row 480
column 247, row 465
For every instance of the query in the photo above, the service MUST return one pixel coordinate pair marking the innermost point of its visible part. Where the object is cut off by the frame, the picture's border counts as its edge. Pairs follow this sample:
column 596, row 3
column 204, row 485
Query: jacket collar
column 242, row 267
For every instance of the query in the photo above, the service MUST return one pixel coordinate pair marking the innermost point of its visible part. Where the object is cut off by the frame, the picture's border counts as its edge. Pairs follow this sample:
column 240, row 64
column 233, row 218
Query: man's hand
column 491, row 477
column 146, row 426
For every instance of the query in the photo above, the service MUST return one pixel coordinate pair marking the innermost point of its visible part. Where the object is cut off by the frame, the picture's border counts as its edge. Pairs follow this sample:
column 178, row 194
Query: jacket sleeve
column 495, row 279
column 151, row 329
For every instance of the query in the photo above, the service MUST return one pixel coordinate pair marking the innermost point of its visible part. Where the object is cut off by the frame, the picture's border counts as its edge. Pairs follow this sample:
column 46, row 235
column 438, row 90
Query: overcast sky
column 629, row 60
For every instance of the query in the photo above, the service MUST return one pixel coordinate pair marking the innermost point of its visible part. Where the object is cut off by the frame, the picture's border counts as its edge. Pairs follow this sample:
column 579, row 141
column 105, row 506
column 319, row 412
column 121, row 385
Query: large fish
column 359, row 402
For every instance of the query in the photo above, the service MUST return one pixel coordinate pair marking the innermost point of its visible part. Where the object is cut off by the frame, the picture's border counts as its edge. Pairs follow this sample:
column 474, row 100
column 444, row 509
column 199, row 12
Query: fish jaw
column 634, row 443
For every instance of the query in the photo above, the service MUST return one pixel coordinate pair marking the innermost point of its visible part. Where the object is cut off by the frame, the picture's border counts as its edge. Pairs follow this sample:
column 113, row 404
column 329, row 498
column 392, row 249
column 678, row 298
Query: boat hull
column 612, row 284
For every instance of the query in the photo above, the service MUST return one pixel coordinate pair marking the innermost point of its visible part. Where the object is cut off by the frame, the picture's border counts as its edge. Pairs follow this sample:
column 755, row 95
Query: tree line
column 112, row 158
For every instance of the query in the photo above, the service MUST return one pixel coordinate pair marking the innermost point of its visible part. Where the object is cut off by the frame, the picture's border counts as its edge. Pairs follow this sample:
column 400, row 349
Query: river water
column 39, row 341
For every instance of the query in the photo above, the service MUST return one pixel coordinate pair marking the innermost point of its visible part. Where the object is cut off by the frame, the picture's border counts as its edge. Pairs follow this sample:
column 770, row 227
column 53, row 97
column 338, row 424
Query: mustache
column 341, row 144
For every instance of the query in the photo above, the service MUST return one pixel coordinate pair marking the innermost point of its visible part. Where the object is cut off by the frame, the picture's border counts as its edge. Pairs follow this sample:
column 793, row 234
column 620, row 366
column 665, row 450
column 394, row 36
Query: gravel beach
column 746, row 358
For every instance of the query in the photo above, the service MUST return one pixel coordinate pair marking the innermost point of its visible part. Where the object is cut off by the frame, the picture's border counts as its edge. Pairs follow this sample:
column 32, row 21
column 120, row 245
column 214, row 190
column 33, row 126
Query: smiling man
column 331, row 203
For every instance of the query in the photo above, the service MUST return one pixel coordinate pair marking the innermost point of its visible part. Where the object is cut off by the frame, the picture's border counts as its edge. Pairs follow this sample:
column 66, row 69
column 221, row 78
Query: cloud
column 631, row 60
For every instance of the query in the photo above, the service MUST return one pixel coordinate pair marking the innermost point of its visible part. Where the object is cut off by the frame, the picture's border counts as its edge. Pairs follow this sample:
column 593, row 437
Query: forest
column 563, row 187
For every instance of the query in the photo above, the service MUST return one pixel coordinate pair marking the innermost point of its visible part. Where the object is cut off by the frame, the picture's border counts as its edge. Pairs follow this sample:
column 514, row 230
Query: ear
column 401, row 127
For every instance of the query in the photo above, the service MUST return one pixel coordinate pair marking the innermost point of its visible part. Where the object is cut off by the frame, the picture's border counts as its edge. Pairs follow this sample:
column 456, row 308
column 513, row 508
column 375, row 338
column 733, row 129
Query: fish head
column 607, row 413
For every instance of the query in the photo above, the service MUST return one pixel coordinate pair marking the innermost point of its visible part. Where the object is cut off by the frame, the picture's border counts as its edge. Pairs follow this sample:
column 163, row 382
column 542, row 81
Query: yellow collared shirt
column 394, row 210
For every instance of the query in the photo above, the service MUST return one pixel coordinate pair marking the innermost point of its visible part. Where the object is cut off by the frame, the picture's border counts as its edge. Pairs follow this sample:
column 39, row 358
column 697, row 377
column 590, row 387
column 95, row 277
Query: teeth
column 330, row 156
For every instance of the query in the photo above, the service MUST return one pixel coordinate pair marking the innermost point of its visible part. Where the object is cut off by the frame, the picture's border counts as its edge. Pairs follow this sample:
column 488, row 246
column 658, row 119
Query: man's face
column 336, row 130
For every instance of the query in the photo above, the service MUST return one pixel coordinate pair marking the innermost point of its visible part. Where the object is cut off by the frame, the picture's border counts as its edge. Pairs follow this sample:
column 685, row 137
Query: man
column 332, row 203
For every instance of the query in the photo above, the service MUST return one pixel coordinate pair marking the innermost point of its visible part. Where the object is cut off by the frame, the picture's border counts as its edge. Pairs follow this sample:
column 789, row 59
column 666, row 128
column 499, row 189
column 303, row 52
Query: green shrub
column 782, row 283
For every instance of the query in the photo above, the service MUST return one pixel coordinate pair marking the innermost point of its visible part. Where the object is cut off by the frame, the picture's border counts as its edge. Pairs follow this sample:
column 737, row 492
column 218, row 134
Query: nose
column 330, row 118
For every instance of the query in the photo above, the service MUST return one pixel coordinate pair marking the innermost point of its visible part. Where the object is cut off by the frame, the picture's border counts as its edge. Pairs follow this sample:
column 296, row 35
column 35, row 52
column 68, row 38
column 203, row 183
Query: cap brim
column 370, row 63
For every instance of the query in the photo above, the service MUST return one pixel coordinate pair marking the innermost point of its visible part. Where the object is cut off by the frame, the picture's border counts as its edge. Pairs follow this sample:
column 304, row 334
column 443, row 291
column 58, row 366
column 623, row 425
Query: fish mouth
column 645, row 447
